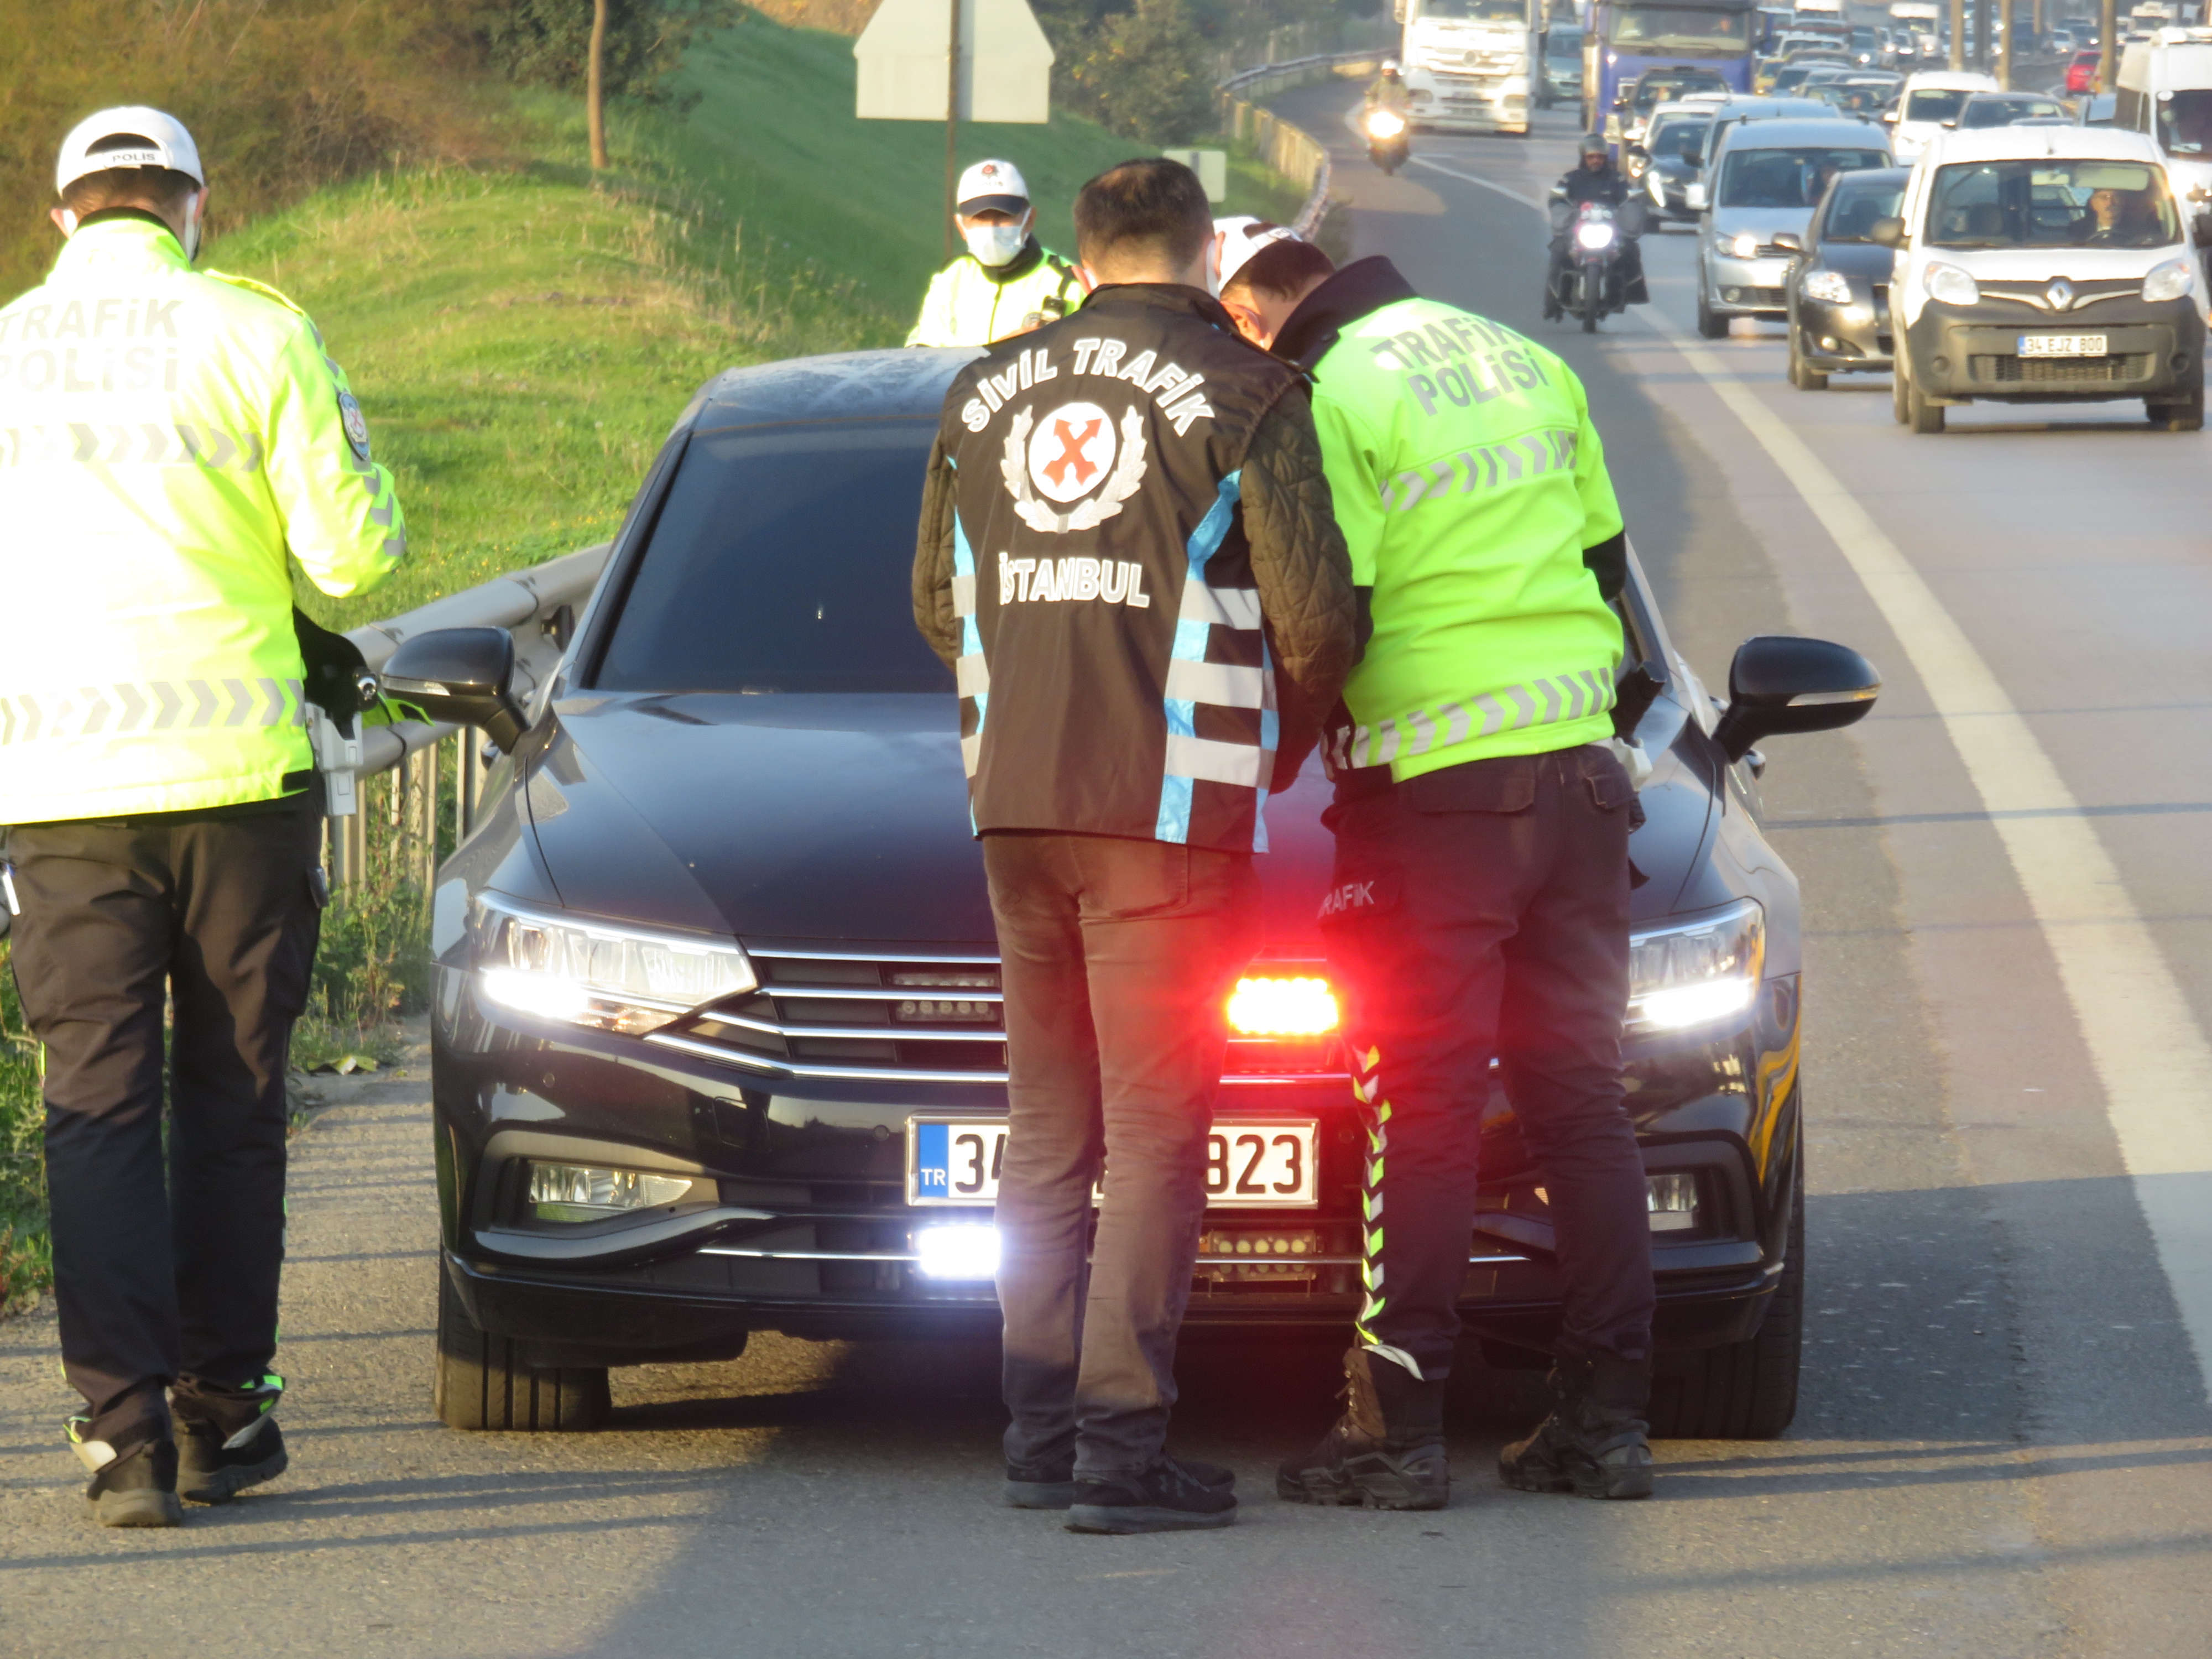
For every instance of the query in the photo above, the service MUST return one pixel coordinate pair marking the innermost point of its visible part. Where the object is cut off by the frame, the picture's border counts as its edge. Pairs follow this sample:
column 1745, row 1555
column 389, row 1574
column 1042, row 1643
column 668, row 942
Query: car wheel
column 2185, row 416
column 1747, row 1390
column 1710, row 327
column 1922, row 416
column 480, row 1384
column 1802, row 374
column 1897, row 391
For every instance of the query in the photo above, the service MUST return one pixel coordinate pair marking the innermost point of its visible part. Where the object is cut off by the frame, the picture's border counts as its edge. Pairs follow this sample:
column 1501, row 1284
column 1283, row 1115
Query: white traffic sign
column 1005, row 62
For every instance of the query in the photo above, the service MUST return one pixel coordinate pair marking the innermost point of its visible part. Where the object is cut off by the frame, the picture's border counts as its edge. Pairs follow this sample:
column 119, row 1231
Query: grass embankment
column 522, row 336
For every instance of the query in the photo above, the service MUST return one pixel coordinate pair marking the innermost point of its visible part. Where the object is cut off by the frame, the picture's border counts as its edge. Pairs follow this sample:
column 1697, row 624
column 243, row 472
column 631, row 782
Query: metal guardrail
column 1290, row 150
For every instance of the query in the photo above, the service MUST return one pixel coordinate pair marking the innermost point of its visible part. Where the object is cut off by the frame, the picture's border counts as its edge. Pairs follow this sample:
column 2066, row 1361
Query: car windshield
column 1654, row 90
column 1564, row 43
column 2185, row 122
column 1479, row 11
column 1679, row 135
column 1681, row 28
column 1937, row 104
column 1793, row 177
column 1855, row 205
column 779, row 563
column 2051, row 203
column 1988, row 112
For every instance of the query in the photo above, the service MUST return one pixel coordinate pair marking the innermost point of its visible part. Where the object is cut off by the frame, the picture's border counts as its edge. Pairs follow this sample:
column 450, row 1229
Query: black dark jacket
column 1115, row 502
column 1606, row 186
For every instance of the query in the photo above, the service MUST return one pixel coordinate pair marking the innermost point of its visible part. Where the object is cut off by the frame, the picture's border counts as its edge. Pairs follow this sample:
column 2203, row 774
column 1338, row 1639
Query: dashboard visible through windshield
column 1655, row 29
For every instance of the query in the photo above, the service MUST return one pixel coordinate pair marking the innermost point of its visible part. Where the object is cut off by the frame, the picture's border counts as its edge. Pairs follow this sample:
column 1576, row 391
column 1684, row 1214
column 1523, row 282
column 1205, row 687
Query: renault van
column 2044, row 265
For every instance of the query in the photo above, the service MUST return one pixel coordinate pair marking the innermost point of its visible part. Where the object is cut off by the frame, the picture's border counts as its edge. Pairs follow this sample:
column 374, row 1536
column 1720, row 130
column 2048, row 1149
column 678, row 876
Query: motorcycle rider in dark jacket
column 1593, row 179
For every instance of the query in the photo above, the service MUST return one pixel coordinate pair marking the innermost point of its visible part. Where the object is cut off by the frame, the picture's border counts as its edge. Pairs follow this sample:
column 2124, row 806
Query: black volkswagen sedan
column 718, row 1043
column 1837, row 291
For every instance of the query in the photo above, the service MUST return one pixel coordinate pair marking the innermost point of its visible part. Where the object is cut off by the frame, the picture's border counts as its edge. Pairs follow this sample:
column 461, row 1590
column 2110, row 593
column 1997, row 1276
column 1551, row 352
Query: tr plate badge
column 357, row 423
column 1073, row 454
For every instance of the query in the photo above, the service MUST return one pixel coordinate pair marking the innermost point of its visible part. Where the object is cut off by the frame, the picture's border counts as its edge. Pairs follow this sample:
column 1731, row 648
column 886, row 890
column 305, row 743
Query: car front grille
column 918, row 1018
column 2059, row 371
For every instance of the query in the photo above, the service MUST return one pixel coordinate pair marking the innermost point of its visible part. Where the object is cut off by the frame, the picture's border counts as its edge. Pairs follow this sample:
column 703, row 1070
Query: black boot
column 1387, row 1451
column 228, row 1439
column 1594, row 1441
column 135, row 1486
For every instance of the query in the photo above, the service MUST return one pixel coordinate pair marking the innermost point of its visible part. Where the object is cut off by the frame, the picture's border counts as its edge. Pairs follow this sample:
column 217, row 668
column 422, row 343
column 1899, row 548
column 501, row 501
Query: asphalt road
column 2003, row 1446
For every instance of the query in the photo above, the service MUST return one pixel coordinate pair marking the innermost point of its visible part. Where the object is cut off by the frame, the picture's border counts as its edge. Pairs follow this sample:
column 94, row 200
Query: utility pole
column 595, row 91
column 2004, row 44
column 2108, row 46
column 1958, row 32
column 952, row 118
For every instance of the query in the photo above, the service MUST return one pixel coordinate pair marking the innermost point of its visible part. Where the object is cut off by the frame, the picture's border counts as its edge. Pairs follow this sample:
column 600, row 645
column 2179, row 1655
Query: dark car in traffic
column 1672, row 152
column 717, row 1038
column 1837, row 289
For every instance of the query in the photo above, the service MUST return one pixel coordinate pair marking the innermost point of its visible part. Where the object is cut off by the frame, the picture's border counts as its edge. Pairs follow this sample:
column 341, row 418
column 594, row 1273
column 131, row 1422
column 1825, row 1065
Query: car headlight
column 1953, row 285
column 1829, row 288
column 1694, row 973
column 1744, row 244
column 587, row 972
column 1384, row 123
column 2169, row 281
column 1594, row 237
column 1656, row 186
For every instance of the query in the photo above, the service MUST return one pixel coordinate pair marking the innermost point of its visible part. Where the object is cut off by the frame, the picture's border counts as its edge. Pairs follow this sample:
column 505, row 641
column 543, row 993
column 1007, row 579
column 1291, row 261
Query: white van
column 2044, row 265
column 1929, row 99
column 2166, row 92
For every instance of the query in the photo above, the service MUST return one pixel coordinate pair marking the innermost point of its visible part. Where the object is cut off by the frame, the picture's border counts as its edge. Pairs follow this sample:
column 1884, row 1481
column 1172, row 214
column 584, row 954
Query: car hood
column 795, row 817
column 1868, row 259
column 2042, row 265
column 1734, row 222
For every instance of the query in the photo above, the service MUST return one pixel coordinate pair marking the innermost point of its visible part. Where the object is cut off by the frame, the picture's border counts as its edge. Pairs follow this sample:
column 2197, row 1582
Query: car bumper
column 811, row 1234
column 1473, row 109
column 1746, row 288
column 1972, row 353
column 1842, row 339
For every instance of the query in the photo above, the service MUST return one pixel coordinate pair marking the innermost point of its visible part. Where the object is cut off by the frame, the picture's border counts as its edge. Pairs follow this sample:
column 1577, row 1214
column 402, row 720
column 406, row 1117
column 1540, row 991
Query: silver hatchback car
column 1764, row 180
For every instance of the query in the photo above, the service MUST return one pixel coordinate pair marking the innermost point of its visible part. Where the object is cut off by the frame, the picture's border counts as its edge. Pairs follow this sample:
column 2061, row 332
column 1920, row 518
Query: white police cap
column 130, row 136
column 993, row 183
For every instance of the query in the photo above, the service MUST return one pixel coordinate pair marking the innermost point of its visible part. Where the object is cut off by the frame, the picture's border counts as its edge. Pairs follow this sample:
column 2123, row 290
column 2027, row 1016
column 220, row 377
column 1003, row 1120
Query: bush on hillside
column 546, row 42
column 1146, row 74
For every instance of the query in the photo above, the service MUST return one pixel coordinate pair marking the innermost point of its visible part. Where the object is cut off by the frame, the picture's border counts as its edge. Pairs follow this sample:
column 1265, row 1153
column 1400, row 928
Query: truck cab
column 1469, row 64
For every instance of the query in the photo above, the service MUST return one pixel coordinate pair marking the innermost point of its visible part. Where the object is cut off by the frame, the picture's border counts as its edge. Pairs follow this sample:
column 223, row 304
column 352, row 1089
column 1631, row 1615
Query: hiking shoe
column 1387, row 1451
column 1170, row 1496
column 1049, row 1486
column 134, row 1487
column 228, row 1439
column 1595, row 1441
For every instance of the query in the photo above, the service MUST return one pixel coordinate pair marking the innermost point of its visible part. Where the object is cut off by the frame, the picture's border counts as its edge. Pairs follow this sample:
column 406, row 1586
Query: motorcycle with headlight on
column 1591, row 283
column 1387, row 145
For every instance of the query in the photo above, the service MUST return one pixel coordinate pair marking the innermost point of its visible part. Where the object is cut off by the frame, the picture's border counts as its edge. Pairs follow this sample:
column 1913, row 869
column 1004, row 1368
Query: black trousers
column 1482, row 911
column 165, row 1278
column 1118, row 957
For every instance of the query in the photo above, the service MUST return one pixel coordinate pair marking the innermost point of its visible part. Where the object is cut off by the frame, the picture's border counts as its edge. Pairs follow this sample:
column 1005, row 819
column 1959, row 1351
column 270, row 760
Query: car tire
column 481, row 1384
column 1747, row 1390
column 1922, row 416
column 1802, row 374
column 2187, row 414
column 1710, row 327
column 1897, row 391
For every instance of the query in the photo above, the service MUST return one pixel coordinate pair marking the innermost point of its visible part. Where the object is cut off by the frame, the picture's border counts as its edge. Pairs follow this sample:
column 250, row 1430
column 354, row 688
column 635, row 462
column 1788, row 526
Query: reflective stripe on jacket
column 167, row 436
column 1469, row 479
column 970, row 304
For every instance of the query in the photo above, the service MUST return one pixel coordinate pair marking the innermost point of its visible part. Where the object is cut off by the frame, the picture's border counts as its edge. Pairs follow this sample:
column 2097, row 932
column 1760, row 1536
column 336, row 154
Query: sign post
column 950, row 60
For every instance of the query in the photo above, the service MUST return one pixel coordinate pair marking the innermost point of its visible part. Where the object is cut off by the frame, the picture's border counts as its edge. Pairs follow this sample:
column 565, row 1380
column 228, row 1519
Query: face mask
column 994, row 245
column 191, row 239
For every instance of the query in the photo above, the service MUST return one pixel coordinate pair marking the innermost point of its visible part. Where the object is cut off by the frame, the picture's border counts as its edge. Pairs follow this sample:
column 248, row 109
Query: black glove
column 339, row 681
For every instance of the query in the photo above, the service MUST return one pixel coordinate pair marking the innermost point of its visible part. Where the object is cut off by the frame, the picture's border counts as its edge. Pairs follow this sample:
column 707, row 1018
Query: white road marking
column 2149, row 1051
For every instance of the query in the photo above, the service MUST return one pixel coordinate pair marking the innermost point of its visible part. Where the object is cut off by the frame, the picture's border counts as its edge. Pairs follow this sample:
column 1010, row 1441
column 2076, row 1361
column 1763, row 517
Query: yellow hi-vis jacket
column 167, row 436
column 970, row 304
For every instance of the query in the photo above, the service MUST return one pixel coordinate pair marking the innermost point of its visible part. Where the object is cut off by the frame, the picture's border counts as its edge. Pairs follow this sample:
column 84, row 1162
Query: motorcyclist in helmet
column 1595, row 179
column 1387, row 89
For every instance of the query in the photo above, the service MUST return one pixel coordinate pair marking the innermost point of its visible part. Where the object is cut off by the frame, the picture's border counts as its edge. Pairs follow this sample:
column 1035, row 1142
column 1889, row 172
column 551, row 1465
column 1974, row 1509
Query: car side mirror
column 1779, row 684
column 1951, row 125
column 1695, row 197
column 459, row 677
column 1789, row 241
column 1889, row 116
column 1889, row 232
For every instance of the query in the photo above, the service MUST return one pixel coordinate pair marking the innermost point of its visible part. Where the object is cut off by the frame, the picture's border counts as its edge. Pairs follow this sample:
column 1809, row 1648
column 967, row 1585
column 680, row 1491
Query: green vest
column 969, row 304
column 1468, row 480
column 167, row 437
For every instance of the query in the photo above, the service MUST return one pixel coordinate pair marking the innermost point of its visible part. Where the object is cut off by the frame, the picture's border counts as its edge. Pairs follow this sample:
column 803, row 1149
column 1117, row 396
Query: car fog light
column 1266, row 1006
column 579, row 1192
column 1731, row 295
column 957, row 1249
column 1672, row 1202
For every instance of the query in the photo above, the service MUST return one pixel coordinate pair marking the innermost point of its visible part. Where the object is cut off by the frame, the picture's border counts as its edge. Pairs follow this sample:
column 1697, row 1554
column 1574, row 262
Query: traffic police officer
column 167, row 436
column 1008, row 282
column 1126, row 531
column 1479, row 903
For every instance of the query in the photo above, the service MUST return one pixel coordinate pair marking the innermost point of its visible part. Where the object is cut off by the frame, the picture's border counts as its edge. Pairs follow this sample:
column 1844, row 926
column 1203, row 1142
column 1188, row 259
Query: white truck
column 2166, row 93
column 1468, row 63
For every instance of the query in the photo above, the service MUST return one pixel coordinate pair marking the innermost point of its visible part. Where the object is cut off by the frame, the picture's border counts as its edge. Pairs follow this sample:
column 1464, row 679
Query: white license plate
column 2061, row 346
column 1248, row 1165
